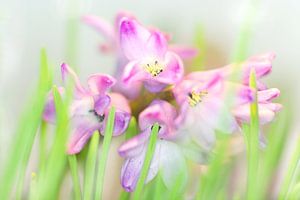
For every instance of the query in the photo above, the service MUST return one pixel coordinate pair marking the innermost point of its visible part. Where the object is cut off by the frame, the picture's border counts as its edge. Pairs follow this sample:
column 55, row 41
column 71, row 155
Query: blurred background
column 27, row 26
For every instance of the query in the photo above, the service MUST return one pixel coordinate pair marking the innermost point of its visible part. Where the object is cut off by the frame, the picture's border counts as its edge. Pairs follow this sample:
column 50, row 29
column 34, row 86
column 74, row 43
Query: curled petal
column 133, row 37
column 49, row 114
column 101, row 103
column 132, row 73
column 267, row 95
column 131, row 170
column 122, row 120
column 67, row 71
column 100, row 83
column 153, row 86
column 135, row 145
column 81, row 134
column 173, row 71
column 161, row 112
column 242, row 113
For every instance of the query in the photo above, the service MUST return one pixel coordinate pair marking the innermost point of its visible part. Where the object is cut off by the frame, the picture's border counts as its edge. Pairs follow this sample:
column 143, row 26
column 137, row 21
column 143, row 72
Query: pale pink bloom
column 89, row 108
column 168, row 157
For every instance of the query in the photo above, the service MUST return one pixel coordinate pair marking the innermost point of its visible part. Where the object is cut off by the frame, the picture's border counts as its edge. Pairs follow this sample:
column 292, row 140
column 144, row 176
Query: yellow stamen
column 196, row 97
column 154, row 69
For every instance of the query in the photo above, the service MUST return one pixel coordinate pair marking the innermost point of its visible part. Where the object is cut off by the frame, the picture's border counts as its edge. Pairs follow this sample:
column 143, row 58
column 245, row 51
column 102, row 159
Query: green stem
column 75, row 177
column 90, row 166
column 253, row 143
column 43, row 144
column 147, row 162
column 104, row 153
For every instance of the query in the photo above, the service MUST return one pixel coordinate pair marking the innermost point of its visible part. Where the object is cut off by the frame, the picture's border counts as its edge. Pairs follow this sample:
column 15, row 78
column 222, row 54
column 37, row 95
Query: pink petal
column 173, row 71
column 120, row 102
column 161, row 112
column 49, row 114
column 135, row 145
column 133, row 37
column 101, row 103
column 267, row 95
column 132, row 73
column 100, row 83
column 156, row 46
column 67, row 71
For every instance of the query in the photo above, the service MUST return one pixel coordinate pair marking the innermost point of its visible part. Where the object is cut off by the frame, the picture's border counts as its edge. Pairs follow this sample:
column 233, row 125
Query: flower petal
column 122, row 120
column 133, row 73
column 133, row 37
column 100, row 83
column 49, row 114
column 161, row 112
column 101, row 103
column 172, row 165
column 156, row 46
column 131, row 170
column 173, row 71
column 135, row 145
column 67, row 71
column 120, row 102
column 267, row 95
column 80, row 135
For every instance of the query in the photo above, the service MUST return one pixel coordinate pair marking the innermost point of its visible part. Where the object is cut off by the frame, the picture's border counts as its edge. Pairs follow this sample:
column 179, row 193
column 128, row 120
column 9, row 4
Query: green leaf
column 149, row 154
column 90, row 167
column 24, row 137
column 75, row 177
column 104, row 154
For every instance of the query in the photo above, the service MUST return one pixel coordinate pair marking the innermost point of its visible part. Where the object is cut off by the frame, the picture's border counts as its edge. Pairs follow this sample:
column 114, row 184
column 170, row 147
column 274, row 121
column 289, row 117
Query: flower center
column 196, row 97
column 100, row 118
column 154, row 68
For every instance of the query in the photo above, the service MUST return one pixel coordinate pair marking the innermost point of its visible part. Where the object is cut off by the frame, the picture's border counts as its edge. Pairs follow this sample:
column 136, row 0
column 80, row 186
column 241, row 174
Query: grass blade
column 147, row 162
column 252, row 139
column 52, row 176
column 90, row 167
column 104, row 153
column 292, row 171
column 26, row 131
column 75, row 177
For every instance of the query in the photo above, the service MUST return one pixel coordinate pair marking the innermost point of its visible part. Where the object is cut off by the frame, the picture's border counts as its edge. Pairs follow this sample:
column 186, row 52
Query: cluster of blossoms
column 151, row 84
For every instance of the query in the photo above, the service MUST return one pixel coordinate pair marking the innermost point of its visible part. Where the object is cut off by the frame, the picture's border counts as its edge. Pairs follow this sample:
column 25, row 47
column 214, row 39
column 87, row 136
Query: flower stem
column 147, row 162
column 90, row 166
column 253, row 142
column 104, row 154
column 75, row 177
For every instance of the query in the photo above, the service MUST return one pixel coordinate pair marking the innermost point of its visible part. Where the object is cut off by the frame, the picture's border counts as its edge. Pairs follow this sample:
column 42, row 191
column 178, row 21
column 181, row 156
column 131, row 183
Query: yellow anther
column 196, row 97
column 154, row 69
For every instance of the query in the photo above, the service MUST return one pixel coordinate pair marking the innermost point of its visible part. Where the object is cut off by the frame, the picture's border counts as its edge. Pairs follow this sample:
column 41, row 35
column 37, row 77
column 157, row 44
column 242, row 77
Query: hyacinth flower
column 262, row 64
column 204, row 109
column 111, row 34
column 89, row 108
column 168, row 156
column 150, row 62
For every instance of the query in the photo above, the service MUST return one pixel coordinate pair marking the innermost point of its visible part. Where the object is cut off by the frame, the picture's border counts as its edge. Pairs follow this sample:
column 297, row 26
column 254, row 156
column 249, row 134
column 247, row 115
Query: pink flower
column 89, row 108
column 266, row 109
column 111, row 34
column 205, row 109
column 261, row 63
column 150, row 61
column 168, row 156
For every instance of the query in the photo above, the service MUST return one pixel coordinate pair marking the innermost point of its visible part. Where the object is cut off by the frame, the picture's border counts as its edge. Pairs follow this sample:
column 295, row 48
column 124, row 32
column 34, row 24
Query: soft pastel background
column 26, row 26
